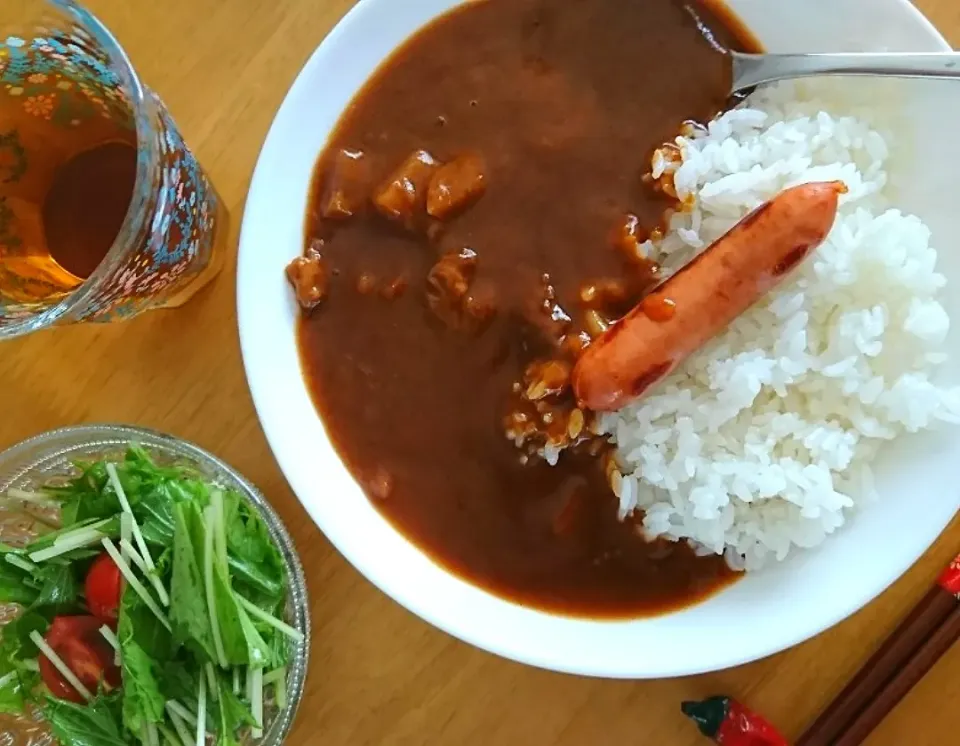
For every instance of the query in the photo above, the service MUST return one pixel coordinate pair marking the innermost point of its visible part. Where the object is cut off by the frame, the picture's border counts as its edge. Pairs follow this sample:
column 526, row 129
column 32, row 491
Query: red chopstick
column 898, row 665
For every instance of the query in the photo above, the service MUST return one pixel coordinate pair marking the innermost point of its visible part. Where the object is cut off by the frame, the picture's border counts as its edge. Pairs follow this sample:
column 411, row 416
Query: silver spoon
column 751, row 70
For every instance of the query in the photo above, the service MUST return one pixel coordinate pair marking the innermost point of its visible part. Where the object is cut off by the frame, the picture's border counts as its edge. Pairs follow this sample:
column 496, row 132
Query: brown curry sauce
column 565, row 101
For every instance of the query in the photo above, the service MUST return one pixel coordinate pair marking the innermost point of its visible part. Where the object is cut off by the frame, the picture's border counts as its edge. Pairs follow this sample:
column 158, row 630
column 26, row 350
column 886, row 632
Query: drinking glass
column 68, row 91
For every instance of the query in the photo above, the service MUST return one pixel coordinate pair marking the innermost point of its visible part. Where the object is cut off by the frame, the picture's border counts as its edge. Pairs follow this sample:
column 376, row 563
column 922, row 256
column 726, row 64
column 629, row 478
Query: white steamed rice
column 763, row 441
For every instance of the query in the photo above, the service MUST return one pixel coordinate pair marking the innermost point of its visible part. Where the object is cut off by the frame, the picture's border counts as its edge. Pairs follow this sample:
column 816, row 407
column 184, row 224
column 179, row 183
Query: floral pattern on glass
column 38, row 71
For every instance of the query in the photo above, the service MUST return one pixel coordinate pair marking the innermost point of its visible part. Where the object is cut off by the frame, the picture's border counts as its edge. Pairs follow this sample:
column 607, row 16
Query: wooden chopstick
column 903, row 682
column 900, row 662
column 878, row 671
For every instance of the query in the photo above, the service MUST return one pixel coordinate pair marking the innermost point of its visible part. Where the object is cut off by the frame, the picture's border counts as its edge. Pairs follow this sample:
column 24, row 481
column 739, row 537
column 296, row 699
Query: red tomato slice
column 104, row 587
column 81, row 646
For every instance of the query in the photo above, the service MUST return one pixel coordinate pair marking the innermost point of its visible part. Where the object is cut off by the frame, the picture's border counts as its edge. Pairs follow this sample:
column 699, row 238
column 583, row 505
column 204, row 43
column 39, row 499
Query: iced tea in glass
column 104, row 211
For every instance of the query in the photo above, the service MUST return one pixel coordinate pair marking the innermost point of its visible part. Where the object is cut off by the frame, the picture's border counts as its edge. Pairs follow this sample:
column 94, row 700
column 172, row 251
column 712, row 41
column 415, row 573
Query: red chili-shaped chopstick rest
column 950, row 579
column 729, row 723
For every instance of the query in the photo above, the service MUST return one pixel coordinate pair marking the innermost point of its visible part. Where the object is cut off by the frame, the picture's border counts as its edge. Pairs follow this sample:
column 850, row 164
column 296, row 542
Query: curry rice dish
column 484, row 246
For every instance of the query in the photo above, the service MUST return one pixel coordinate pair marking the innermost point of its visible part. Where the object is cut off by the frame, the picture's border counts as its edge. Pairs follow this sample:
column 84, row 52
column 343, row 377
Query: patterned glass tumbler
column 104, row 211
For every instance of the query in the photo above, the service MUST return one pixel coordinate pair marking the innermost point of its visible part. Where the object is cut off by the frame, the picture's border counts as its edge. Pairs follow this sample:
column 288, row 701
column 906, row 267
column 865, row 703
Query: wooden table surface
column 379, row 675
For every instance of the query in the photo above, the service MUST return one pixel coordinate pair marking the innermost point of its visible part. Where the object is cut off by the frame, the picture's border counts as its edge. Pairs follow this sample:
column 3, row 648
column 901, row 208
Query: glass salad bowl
column 48, row 460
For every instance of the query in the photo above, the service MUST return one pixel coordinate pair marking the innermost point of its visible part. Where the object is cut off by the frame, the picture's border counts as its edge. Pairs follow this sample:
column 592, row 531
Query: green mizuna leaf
column 60, row 589
column 142, row 700
column 188, row 606
column 95, row 724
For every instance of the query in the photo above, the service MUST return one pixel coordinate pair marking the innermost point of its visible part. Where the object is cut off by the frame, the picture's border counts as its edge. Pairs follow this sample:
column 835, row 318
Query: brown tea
column 86, row 204
column 67, row 174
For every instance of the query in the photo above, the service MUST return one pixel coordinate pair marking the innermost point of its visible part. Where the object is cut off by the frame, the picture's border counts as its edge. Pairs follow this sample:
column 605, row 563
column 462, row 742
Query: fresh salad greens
column 152, row 615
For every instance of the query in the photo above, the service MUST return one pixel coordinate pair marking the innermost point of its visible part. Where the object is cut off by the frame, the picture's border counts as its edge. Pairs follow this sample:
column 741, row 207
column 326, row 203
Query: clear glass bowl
column 49, row 458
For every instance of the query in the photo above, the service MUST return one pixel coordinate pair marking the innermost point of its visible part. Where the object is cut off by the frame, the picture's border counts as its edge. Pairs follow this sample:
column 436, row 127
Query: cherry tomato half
column 104, row 587
column 81, row 646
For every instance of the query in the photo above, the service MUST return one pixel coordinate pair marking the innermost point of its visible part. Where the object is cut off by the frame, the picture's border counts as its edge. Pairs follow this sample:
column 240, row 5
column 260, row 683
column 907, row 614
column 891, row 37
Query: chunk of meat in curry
column 309, row 276
column 456, row 185
column 403, row 196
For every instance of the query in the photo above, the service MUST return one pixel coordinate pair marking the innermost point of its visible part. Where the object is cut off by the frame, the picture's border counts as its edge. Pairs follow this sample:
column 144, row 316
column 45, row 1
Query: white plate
column 764, row 613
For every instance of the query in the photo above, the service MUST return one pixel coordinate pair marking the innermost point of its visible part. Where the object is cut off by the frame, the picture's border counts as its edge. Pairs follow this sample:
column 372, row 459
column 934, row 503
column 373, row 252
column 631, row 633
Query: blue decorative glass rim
column 23, row 464
column 148, row 157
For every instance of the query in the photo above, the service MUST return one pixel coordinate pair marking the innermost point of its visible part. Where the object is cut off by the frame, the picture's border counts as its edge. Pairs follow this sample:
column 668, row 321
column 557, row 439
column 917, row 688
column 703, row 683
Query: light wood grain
column 378, row 674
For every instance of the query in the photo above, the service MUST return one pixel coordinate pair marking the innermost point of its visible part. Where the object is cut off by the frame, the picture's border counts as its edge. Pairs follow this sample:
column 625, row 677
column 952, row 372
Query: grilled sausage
column 703, row 297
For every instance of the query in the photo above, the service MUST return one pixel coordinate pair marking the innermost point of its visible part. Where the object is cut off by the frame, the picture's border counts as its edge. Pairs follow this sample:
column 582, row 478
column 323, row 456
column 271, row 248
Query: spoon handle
column 751, row 70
